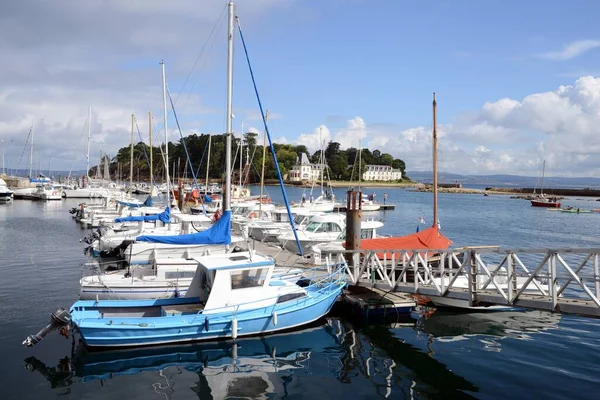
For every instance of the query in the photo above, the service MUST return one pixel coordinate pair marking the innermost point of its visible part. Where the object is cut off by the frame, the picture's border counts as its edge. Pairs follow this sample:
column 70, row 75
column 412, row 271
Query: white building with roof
column 381, row 173
column 305, row 171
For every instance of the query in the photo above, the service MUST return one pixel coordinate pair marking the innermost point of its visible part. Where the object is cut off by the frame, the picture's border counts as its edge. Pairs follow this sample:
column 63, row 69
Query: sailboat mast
column 359, row 163
column 322, row 159
column 208, row 163
column 241, row 153
column 151, row 166
column 131, row 156
column 227, row 188
column 31, row 150
column 435, row 173
column 87, row 158
column 262, row 173
column 164, row 82
column 542, row 182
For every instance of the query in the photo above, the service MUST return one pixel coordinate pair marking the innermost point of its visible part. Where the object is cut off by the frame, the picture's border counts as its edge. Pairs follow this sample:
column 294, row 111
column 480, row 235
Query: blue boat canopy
column 219, row 233
column 164, row 216
column 207, row 199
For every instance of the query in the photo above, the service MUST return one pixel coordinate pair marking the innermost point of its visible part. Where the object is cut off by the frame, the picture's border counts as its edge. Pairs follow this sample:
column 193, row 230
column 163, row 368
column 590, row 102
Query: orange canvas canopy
column 430, row 238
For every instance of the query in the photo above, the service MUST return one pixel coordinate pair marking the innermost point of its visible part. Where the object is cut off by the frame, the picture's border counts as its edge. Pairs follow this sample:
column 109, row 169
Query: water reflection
column 451, row 326
column 252, row 368
column 362, row 359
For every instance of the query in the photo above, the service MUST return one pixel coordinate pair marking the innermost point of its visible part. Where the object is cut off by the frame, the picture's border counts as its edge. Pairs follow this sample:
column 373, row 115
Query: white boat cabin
column 238, row 282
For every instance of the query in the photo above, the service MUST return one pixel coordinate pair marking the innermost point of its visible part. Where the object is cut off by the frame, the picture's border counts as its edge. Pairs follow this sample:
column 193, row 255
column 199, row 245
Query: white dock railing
column 562, row 280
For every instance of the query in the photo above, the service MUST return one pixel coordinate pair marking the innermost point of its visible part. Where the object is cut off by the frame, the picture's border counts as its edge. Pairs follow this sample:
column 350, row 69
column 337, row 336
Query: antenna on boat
column 435, row 173
column 87, row 157
column 262, row 173
column 131, row 156
column 164, row 83
column 227, row 188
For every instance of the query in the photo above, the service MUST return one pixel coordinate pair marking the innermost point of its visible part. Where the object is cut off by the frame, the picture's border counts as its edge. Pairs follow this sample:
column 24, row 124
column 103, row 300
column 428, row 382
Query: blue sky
column 356, row 70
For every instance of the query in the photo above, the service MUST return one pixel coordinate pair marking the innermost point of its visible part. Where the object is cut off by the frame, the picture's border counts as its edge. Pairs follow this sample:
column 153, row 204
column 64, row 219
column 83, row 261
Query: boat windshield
column 313, row 227
column 299, row 219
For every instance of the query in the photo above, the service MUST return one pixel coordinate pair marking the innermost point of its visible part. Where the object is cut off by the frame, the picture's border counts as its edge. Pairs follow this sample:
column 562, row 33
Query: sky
column 517, row 82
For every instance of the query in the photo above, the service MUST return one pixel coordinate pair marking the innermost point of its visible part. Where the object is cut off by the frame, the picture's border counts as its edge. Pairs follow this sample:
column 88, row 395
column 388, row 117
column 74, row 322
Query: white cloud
column 315, row 140
column 61, row 57
column 504, row 136
column 572, row 50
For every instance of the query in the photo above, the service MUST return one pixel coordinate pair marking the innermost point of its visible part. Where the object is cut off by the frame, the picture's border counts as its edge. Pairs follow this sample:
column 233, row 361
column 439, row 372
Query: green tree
column 386, row 159
column 338, row 167
column 332, row 150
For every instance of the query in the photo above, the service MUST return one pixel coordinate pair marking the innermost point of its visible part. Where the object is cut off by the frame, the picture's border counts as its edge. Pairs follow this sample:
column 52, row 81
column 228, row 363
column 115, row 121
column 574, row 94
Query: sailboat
column 89, row 190
column 231, row 295
column 542, row 200
column 430, row 238
column 325, row 202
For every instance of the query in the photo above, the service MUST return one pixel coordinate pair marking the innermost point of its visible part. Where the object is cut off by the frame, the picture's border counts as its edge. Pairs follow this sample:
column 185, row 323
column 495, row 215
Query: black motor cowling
column 58, row 319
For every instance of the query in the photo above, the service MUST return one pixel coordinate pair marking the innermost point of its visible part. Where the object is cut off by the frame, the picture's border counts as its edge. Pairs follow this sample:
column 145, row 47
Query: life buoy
column 252, row 215
column 195, row 194
column 217, row 215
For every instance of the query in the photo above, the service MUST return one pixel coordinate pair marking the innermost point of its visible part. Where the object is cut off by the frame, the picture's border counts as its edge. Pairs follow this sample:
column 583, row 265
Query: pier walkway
column 560, row 280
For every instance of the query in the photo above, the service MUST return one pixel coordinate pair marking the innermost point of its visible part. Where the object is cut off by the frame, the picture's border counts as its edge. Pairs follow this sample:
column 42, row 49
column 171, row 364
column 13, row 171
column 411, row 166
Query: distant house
column 381, row 173
column 305, row 171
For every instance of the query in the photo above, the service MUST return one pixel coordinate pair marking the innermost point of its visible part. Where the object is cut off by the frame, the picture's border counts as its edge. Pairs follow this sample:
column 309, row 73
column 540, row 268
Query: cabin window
column 248, row 278
column 299, row 219
column 366, row 234
column 313, row 226
column 179, row 274
column 290, row 296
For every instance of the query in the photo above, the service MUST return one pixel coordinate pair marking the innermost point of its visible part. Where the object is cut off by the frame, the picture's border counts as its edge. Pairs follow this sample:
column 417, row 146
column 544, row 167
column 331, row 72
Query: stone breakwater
column 428, row 188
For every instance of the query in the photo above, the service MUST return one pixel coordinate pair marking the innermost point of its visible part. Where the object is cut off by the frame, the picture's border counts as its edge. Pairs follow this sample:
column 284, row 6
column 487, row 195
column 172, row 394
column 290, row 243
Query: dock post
column 473, row 279
column 181, row 195
column 353, row 220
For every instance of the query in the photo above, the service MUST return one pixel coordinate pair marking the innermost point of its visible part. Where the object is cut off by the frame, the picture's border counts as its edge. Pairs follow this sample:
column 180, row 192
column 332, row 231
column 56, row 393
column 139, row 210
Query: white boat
column 369, row 205
column 268, row 231
column 165, row 278
column 368, row 230
column 163, row 223
column 141, row 253
column 47, row 191
column 86, row 192
column 246, row 212
column 6, row 194
column 320, row 204
column 321, row 228
column 24, row 193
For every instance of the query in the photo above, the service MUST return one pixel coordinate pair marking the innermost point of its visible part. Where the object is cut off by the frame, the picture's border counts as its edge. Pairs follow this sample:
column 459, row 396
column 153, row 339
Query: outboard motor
column 58, row 319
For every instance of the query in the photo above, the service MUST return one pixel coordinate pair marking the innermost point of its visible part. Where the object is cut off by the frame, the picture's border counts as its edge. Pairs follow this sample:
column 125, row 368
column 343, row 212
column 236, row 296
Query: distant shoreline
column 347, row 184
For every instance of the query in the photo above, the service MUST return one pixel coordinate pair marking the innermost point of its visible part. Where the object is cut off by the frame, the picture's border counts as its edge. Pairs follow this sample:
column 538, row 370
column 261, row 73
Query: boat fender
column 234, row 351
column 206, row 324
column 274, row 318
column 234, row 328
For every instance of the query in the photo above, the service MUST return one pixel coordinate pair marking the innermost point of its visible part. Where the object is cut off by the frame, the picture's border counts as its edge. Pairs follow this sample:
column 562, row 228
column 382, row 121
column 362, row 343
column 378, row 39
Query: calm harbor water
column 448, row 355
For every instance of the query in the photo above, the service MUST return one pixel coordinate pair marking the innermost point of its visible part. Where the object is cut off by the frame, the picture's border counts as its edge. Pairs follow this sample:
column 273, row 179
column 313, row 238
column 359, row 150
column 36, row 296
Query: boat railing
column 102, row 268
column 566, row 280
column 324, row 284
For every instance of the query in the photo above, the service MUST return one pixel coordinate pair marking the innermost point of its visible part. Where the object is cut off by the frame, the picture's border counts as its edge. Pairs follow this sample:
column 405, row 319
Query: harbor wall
column 589, row 192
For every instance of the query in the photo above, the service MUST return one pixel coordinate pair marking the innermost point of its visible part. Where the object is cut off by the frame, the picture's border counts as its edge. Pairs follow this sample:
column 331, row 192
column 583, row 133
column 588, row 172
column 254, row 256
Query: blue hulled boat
column 231, row 295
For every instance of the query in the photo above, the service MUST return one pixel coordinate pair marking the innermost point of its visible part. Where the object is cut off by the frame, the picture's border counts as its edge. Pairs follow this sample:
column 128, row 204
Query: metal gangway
column 559, row 280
